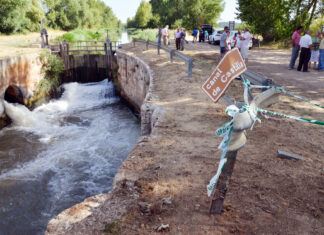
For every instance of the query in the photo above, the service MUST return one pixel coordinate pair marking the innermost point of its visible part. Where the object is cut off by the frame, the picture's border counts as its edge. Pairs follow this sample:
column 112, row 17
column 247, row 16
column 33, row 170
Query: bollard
column 190, row 65
column 171, row 55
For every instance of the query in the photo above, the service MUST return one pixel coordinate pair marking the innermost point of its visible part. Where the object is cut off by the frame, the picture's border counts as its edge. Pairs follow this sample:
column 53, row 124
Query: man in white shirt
column 244, row 42
column 165, row 35
column 305, row 53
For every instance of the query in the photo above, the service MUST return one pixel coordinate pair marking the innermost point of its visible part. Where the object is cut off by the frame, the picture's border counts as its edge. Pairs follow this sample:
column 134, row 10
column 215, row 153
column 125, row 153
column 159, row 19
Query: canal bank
column 164, row 178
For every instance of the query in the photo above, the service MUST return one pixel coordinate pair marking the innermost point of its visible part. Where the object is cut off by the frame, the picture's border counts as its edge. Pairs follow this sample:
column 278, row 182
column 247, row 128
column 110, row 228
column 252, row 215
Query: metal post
column 106, row 49
column 171, row 55
column 190, row 64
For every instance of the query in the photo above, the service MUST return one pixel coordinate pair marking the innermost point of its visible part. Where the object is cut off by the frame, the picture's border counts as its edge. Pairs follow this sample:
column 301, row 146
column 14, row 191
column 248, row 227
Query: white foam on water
column 83, row 136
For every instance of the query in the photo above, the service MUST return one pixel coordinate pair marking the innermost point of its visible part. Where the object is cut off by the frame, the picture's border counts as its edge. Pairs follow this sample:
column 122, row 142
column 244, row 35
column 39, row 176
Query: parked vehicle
column 214, row 38
column 207, row 27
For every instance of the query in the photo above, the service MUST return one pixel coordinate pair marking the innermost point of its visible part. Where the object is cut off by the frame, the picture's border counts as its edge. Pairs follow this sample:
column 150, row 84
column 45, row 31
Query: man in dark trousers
column 295, row 46
column 306, row 46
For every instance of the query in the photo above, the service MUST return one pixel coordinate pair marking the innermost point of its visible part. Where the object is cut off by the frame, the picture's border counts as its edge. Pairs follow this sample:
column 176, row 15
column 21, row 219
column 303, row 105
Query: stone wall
column 22, row 71
column 135, row 84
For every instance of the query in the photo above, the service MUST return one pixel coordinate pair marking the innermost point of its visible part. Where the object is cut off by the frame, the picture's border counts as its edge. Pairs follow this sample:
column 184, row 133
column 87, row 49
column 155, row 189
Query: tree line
column 186, row 13
column 273, row 19
column 26, row 15
column 277, row 19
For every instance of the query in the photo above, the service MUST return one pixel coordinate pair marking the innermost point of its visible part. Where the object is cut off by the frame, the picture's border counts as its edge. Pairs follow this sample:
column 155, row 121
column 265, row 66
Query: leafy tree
column 192, row 13
column 12, row 15
column 277, row 19
column 143, row 14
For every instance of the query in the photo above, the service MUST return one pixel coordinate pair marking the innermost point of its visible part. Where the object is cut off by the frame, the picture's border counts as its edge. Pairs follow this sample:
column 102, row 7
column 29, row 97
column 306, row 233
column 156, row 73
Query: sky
column 127, row 8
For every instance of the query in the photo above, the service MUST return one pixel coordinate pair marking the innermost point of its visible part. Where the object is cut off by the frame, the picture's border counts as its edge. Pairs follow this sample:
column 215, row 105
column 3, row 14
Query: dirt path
column 15, row 45
column 267, row 195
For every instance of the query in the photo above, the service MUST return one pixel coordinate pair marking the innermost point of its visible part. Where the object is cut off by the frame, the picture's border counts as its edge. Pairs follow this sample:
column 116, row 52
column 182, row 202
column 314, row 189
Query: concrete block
column 266, row 98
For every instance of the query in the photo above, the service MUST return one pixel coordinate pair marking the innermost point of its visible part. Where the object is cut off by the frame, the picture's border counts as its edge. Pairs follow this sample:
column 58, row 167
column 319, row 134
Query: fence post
column 171, row 55
column 190, row 65
column 106, row 49
column 221, row 187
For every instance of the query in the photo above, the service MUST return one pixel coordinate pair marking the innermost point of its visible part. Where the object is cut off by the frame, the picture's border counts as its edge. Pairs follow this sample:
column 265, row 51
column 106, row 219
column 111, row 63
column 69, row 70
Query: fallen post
column 283, row 154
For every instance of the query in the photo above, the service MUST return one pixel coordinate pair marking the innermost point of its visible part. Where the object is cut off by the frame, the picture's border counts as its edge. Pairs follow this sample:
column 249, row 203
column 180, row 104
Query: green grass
column 90, row 35
column 282, row 44
column 146, row 34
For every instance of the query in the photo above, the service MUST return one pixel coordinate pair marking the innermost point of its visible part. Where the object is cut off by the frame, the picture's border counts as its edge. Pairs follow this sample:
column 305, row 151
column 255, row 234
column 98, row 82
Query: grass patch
column 282, row 44
column 113, row 228
column 52, row 67
column 90, row 35
column 146, row 34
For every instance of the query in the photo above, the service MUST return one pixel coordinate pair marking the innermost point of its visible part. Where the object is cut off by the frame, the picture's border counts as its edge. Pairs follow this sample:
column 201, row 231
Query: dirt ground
column 15, row 45
column 172, row 166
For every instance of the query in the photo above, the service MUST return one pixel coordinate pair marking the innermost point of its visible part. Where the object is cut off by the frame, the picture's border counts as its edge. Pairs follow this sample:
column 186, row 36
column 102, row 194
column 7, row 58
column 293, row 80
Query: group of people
column 311, row 50
column 241, row 42
column 180, row 37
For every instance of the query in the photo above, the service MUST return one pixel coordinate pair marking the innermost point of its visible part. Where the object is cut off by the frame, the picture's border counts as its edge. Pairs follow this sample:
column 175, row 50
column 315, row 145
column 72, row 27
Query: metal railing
column 91, row 47
column 172, row 53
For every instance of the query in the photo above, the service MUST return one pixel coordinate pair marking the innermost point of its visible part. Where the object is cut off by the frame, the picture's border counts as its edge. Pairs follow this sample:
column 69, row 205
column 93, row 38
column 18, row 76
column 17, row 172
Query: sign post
column 322, row 28
column 231, row 25
column 230, row 67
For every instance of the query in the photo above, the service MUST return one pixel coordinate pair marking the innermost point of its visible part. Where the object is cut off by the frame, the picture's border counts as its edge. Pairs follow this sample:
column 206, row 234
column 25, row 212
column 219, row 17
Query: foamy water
column 61, row 153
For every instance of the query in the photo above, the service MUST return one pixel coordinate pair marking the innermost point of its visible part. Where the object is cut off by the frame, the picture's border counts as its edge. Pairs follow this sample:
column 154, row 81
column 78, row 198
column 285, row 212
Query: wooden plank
column 219, row 192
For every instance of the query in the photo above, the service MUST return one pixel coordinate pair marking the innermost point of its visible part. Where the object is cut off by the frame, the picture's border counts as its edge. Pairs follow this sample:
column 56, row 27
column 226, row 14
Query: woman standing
column 321, row 56
column 315, row 49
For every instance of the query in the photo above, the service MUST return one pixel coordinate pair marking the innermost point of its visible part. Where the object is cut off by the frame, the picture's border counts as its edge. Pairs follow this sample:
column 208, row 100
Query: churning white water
column 61, row 153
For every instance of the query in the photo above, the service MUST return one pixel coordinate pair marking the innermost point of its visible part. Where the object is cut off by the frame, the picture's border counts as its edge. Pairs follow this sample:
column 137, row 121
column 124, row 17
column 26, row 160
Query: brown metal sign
column 231, row 66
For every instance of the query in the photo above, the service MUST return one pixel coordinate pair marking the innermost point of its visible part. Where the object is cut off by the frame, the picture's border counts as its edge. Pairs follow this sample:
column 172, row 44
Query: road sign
column 231, row 66
column 231, row 25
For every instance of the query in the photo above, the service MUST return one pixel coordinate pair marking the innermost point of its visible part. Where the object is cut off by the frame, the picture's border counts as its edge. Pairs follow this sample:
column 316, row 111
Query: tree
column 277, row 19
column 143, row 14
column 191, row 13
column 12, row 15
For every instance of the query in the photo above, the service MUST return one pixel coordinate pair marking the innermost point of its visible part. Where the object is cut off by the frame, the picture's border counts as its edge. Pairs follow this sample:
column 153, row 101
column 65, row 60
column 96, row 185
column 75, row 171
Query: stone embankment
column 19, row 76
column 164, row 178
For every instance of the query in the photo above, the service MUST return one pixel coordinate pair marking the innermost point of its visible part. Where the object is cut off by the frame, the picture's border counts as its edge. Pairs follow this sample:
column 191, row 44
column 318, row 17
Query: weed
column 113, row 228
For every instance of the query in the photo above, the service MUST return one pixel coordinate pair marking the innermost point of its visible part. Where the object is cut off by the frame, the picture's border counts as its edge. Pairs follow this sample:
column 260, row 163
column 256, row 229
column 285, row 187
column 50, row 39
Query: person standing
column 165, row 35
column 201, row 35
column 194, row 34
column 305, row 52
column 206, row 35
column 245, row 39
column 228, row 42
column 295, row 38
column 182, row 39
column 238, row 40
column 222, row 42
column 315, row 49
column 321, row 56
column 159, row 35
column 177, row 37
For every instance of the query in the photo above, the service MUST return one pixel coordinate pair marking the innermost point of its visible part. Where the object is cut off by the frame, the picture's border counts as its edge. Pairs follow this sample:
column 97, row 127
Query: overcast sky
column 127, row 8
